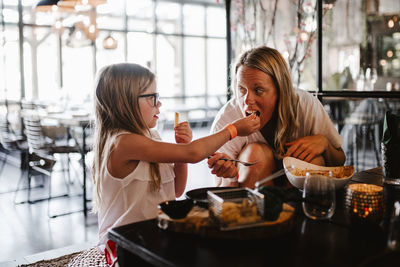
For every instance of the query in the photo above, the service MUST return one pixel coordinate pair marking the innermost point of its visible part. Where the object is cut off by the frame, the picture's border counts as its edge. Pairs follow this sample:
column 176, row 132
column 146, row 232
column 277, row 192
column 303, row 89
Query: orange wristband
column 232, row 130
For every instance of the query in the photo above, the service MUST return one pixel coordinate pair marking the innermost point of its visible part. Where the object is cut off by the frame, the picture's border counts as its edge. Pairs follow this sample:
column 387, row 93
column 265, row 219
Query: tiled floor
column 26, row 231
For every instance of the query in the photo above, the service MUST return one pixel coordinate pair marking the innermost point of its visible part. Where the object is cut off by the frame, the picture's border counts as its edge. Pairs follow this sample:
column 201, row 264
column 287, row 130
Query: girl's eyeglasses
column 154, row 97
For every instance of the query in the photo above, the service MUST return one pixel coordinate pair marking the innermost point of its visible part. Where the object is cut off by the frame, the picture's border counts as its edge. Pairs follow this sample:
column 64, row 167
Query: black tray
column 199, row 195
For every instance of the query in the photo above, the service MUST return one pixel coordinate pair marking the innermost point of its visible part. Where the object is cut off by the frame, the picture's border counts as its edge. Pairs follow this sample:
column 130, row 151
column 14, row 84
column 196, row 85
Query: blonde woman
column 292, row 122
column 133, row 169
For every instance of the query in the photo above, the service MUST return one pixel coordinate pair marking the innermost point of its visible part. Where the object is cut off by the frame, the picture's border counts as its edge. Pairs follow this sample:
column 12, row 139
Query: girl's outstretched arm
column 129, row 148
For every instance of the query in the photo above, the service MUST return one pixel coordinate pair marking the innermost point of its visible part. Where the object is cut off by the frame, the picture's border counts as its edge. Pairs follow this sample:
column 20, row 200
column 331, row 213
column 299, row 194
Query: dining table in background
column 82, row 122
column 74, row 119
column 334, row 242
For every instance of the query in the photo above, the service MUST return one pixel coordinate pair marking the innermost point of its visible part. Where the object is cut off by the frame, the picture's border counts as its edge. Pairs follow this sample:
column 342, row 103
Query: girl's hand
column 183, row 133
column 222, row 168
column 307, row 148
column 247, row 125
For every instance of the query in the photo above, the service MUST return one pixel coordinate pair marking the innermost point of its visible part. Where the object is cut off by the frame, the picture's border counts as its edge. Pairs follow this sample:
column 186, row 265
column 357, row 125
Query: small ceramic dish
column 176, row 209
column 341, row 175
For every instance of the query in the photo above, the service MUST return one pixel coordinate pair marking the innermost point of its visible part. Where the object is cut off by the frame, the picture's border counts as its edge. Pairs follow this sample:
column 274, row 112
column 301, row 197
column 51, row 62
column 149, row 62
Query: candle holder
column 364, row 203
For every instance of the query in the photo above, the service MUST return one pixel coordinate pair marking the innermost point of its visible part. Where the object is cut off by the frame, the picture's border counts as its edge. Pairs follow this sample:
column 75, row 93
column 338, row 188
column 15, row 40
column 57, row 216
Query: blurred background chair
column 10, row 143
column 38, row 165
column 43, row 153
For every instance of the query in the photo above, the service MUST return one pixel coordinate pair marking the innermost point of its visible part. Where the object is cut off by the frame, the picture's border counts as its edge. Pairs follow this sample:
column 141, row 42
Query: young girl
column 133, row 169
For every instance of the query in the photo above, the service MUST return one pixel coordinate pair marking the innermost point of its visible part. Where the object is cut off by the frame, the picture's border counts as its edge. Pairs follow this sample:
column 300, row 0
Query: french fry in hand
column 176, row 119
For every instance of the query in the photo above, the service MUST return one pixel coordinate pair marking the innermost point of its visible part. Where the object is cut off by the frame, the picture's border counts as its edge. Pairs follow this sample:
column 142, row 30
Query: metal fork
column 239, row 161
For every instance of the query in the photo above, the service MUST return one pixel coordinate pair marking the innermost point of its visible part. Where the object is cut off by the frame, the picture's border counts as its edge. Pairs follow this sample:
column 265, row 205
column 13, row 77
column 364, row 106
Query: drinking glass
column 374, row 78
column 319, row 199
column 360, row 81
column 368, row 84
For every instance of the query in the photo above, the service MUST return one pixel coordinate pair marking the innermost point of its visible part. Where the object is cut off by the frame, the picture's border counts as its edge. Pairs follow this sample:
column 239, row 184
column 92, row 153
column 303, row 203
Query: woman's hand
column 183, row 133
column 307, row 148
column 247, row 125
column 222, row 168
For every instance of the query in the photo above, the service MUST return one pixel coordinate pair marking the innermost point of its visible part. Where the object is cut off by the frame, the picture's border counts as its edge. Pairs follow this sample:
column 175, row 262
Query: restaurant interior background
column 50, row 54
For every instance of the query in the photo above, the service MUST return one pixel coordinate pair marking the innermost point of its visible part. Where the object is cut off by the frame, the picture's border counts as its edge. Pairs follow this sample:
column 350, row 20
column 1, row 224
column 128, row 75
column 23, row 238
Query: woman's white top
column 310, row 116
column 131, row 199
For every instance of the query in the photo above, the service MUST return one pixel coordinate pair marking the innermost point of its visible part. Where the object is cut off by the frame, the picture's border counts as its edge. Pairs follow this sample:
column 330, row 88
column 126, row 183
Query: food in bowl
column 296, row 169
column 341, row 172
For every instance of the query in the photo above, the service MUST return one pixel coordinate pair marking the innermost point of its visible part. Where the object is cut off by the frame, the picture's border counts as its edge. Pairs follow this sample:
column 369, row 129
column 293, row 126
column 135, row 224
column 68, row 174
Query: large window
column 183, row 42
column 288, row 26
column 362, row 46
column 9, row 53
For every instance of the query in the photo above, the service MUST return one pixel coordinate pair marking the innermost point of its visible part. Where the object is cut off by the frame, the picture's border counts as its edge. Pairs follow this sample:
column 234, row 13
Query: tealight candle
column 365, row 203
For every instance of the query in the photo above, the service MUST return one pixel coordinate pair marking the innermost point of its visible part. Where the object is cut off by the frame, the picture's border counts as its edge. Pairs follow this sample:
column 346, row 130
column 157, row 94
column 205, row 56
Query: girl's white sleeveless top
column 131, row 199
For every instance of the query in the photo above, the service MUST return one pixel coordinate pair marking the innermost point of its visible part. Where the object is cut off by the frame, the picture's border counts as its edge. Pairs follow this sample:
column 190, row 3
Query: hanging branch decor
column 254, row 23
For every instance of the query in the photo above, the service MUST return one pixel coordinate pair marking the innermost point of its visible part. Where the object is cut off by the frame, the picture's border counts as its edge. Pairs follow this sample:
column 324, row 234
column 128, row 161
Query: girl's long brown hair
column 116, row 108
column 271, row 62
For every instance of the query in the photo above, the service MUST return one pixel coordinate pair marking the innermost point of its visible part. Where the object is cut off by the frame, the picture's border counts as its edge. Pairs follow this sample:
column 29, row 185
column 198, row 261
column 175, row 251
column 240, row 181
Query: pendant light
column 109, row 42
column 51, row 6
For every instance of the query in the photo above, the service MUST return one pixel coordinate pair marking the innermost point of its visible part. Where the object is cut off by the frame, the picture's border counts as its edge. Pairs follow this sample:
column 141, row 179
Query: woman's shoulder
column 306, row 99
column 230, row 108
column 306, row 95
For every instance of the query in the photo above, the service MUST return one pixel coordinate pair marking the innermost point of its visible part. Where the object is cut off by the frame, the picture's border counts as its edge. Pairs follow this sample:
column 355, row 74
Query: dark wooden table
column 310, row 243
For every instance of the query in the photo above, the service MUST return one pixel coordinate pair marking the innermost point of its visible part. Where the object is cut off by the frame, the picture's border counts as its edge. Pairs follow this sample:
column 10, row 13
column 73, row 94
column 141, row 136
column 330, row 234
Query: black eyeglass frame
column 155, row 96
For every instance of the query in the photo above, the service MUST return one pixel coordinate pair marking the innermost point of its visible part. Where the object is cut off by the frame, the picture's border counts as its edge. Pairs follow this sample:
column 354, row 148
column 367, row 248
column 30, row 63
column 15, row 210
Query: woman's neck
column 268, row 131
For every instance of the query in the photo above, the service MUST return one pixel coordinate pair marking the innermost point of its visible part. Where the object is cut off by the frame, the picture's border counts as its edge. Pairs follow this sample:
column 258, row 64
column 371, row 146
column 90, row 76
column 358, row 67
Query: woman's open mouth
column 251, row 112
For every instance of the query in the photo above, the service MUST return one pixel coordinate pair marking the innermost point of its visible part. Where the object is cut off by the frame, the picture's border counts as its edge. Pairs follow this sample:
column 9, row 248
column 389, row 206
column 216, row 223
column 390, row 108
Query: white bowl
column 298, row 181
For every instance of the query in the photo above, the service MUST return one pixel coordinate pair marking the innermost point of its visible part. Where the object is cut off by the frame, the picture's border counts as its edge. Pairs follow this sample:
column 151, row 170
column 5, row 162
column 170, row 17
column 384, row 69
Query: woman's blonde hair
column 271, row 62
column 116, row 108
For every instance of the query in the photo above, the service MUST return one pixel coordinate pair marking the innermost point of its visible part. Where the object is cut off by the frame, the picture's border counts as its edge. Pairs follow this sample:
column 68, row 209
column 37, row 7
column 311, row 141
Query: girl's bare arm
column 183, row 135
column 137, row 147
